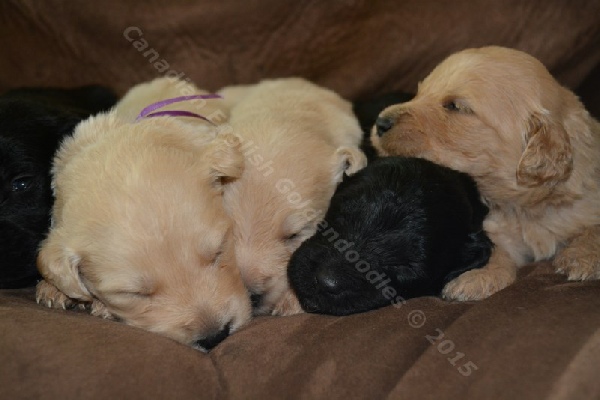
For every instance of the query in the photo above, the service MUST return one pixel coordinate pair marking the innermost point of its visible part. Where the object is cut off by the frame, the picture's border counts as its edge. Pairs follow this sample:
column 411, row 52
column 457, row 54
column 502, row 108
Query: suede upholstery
column 537, row 339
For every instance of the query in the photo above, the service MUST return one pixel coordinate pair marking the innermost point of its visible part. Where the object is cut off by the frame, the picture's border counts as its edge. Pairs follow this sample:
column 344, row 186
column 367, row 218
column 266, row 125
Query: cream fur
column 298, row 140
column 139, row 229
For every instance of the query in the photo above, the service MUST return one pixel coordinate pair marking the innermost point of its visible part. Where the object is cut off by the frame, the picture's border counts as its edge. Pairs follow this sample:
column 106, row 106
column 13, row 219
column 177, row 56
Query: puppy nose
column 327, row 280
column 211, row 341
column 383, row 124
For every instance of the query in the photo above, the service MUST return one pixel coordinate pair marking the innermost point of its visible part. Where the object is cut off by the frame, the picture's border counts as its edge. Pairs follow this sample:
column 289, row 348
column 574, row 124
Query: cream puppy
column 138, row 228
column 498, row 114
column 298, row 140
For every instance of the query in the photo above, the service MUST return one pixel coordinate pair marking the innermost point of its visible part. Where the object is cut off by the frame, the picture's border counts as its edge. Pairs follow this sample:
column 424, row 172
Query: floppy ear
column 226, row 159
column 60, row 266
column 548, row 157
column 348, row 160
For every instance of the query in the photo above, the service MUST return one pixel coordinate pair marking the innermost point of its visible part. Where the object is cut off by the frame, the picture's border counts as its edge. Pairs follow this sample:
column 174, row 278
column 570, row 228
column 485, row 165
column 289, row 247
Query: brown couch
column 538, row 339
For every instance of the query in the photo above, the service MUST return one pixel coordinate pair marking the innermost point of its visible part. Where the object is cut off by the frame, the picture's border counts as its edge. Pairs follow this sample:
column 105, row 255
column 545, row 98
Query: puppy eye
column 217, row 256
column 298, row 235
column 21, row 183
column 140, row 294
column 219, row 251
column 124, row 294
column 457, row 106
column 292, row 237
column 452, row 106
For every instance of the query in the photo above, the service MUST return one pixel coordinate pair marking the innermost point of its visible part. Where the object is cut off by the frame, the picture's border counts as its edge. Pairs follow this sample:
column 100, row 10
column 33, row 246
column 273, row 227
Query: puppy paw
column 477, row 284
column 48, row 295
column 578, row 265
column 98, row 309
column 287, row 305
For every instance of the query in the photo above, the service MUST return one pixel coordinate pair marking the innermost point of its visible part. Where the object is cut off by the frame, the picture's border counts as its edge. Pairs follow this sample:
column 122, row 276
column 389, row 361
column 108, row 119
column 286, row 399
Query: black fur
column 368, row 110
column 414, row 225
column 32, row 123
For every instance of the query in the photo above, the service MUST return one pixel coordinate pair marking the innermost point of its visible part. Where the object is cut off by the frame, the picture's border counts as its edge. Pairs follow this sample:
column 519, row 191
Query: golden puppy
column 299, row 140
column 499, row 115
column 139, row 229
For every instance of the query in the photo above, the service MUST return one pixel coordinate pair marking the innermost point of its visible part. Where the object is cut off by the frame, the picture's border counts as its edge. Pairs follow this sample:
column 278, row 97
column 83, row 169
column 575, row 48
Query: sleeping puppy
column 139, row 231
column 32, row 123
column 498, row 115
column 299, row 140
column 399, row 228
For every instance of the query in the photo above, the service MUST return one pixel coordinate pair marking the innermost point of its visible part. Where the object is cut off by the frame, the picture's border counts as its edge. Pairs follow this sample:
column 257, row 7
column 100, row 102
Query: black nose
column 211, row 341
column 327, row 279
column 383, row 125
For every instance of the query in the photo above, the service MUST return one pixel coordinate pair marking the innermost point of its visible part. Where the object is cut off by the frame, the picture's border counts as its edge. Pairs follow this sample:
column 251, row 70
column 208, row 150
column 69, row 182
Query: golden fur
column 499, row 115
column 139, row 229
column 298, row 140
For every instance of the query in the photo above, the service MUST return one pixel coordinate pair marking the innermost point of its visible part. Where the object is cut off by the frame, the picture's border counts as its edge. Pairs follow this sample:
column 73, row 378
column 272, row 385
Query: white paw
column 48, row 295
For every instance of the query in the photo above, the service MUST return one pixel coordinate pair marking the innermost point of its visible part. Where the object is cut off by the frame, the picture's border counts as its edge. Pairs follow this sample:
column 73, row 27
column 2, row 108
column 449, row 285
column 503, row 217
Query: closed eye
column 139, row 294
column 217, row 256
column 209, row 254
column 299, row 235
column 292, row 237
column 219, row 253
column 123, row 294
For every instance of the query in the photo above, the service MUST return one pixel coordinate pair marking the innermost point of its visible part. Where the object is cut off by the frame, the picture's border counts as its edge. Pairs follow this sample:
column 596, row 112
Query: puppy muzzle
column 213, row 340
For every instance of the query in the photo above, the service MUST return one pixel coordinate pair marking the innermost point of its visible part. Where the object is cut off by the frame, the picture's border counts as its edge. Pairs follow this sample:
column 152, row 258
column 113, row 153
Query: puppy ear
column 60, row 266
column 348, row 160
column 548, row 157
column 226, row 159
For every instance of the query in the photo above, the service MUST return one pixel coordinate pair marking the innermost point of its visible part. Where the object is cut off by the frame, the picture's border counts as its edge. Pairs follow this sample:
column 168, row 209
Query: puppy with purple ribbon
column 139, row 232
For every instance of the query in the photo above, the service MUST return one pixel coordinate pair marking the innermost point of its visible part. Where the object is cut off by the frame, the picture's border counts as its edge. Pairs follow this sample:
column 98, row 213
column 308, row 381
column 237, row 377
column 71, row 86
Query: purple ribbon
column 147, row 112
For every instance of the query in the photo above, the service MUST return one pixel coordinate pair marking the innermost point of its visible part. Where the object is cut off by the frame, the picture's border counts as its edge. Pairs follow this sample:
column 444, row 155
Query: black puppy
column 399, row 228
column 32, row 123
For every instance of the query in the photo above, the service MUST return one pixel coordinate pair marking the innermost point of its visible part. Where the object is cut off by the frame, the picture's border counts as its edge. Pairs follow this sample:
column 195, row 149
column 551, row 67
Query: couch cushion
column 539, row 338
column 50, row 354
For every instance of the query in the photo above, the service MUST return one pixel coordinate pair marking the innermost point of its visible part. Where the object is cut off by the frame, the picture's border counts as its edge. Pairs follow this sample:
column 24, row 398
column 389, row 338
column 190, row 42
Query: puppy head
column 400, row 228
column 276, row 205
column 495, row 113
column 142, row 229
